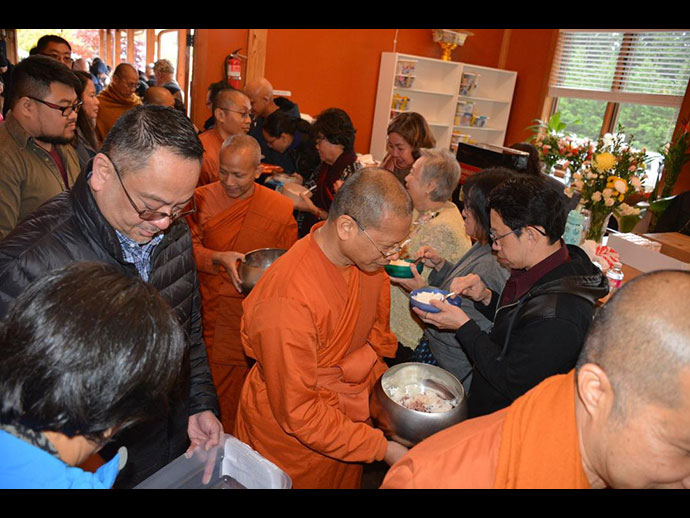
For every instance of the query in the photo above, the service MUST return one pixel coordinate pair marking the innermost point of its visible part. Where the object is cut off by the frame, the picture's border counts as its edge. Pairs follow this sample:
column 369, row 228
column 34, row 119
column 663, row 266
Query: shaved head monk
column 317, row 324
column 159, row 96
column 234, row 216
column 620, row 419
column 263, row 102
column 232, row 111
column 117, row 98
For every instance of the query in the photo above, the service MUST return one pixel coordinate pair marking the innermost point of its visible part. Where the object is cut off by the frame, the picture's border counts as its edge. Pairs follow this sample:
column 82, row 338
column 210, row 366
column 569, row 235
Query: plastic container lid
column 233, row 465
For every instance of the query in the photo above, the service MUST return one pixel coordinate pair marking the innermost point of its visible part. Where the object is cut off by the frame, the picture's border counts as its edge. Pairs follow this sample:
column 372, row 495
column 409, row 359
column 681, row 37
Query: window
column 637, row 79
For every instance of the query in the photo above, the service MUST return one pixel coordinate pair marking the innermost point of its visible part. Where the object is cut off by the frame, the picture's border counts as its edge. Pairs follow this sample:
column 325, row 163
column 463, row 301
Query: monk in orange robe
column 620, row 419
column 117, row 98
column 231, row 110
column 234, row 216
column 317, row 324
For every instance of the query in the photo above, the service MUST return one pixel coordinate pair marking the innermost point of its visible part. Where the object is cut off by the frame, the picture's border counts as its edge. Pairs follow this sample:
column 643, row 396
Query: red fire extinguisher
column 233, row 69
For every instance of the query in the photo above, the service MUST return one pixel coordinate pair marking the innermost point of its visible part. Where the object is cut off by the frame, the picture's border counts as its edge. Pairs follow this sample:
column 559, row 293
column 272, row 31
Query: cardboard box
column 642, row 258
column 673, row 244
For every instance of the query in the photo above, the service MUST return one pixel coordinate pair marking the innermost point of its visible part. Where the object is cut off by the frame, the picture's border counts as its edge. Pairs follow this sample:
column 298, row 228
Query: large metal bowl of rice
column 255, row 264
column 408, row 412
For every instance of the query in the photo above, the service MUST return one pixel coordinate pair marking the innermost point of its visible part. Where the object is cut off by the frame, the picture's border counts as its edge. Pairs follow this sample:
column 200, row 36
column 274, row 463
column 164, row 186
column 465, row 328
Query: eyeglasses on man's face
column 65, row 110
column 147, row 214
column 243, row 113
column 494, row 238
column 395, row 249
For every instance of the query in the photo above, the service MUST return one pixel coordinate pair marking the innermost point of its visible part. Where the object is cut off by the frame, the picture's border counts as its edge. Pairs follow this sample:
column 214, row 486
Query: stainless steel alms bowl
column 255, row 264
column 406, row 426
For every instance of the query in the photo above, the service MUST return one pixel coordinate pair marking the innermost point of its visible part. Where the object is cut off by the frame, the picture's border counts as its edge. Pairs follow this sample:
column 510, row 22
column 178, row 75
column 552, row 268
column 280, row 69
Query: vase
column 598, row 223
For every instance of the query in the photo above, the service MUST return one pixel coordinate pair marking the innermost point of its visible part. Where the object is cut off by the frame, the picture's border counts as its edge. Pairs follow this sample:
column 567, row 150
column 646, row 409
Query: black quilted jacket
column 70, row 228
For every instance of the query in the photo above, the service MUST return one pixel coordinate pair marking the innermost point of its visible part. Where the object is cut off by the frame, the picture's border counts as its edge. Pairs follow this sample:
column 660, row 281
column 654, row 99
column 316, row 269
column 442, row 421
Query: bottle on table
column 615, row 276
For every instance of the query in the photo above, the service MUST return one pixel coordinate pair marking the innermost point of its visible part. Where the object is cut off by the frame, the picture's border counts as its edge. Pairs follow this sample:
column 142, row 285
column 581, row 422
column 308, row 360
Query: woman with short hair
column 436, row 223
column 85, row 352
column 407, row 134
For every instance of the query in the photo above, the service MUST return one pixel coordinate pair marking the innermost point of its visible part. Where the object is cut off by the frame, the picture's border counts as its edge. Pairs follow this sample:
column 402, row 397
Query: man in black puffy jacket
column 542, row 316
column 126, row 209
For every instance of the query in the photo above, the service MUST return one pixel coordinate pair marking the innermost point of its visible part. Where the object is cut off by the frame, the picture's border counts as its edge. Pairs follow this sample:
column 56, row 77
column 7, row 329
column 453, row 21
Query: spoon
column 451, row 294
column 437, row 387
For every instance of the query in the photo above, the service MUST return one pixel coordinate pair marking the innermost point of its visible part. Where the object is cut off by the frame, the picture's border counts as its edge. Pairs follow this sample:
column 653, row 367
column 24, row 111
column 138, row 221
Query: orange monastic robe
column 210, row 164
column 263, row 220
column 111, row 107
column 318, row 333
column 532, row 444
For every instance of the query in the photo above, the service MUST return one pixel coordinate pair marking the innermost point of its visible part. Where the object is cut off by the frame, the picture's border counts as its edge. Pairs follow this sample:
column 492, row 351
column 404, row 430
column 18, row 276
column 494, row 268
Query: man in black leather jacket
column 541, row 317
column 125, row 209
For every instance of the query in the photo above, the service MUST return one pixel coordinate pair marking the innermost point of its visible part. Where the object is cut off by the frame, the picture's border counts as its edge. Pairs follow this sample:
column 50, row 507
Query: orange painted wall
column 329, row 67
column 339, row 68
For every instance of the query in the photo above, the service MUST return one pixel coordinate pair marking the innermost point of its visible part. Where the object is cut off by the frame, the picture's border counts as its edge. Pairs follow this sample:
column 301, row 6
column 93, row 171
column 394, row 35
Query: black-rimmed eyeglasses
column 151, row 215
column 395, row 249
column 494, row 237
column 65, row 110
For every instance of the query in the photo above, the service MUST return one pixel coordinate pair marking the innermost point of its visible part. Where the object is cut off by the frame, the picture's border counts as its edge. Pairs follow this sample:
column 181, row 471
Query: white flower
column 609, row 202
column 635, row 182
column 607, row 192
column 607, row 140
column 596, row 196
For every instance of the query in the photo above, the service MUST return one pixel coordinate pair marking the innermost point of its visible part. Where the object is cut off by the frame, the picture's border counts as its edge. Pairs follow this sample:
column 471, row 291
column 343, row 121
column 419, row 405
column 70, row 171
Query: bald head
column 641, row 339
column 370, row 195
column 260, row 93
column 243, row 144
column 159, row 96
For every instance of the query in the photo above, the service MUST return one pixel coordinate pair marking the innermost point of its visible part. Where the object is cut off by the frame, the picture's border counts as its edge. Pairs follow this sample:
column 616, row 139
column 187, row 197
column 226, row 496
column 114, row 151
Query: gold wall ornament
column 449, row 39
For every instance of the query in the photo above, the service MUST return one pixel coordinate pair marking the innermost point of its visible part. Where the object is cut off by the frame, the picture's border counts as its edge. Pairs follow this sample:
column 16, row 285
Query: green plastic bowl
column 403, row 272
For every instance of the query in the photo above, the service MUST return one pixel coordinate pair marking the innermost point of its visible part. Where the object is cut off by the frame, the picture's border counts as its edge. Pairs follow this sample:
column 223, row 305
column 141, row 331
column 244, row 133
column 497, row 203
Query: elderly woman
column 407, row 134
column 437, row 223
column 85, row 352
column 444, row 350
column 334, row 136
column 85, row 141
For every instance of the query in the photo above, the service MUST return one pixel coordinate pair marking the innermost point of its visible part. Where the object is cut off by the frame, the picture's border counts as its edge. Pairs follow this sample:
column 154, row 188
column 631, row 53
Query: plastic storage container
column 234, row 465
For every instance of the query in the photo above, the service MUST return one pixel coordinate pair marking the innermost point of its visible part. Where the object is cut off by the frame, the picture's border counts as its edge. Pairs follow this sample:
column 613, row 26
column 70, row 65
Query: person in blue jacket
column 85, row 352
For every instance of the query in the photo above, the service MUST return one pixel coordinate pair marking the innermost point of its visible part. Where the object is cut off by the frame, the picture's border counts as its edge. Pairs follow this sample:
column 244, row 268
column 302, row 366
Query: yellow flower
column 605, row 161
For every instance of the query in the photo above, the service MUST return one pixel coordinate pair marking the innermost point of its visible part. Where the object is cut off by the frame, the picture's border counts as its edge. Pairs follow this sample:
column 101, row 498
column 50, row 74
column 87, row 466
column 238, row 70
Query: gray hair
column 239, row 143
column 164, row 65
column 440, row 166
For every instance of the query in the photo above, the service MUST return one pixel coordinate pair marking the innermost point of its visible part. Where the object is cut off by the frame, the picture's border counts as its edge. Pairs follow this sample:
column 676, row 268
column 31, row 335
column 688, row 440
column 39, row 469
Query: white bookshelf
column 493, row 98
column 435, row 93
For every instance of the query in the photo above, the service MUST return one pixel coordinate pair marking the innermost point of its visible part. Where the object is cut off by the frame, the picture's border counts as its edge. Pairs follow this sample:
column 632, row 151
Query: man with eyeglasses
column 128, row 209
column 542, row 316
column 232, row 112
column 36, row 158
column 55, row 47
column 117, row 98
column 317, row 323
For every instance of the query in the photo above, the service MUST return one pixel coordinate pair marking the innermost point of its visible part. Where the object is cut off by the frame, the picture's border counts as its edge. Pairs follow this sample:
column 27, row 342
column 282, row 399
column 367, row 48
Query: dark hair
column 139, row 132
column 280, row 122
column 414, row 129
column 526, row 201
column 214, row 88
column 33, row 75
column 86, row 349
column 82, row 121
column 43, row 41
column 533, row 166
column 476, row 191
column 335, row 125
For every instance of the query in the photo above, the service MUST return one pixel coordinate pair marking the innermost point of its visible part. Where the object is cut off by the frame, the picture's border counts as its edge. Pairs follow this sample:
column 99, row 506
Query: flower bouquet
column 556, row 149
column 614, row 173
